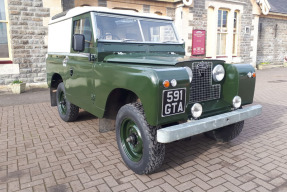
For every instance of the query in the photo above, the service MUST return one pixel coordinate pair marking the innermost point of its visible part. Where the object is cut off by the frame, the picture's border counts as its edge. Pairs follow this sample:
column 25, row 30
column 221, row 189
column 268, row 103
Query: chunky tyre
column 226, row 133
column 68, row 112
column 137, row 140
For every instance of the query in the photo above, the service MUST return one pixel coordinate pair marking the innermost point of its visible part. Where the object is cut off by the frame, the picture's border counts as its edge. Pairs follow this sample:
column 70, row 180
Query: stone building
column 237, row 31
column 272, row 34
column 23, row 38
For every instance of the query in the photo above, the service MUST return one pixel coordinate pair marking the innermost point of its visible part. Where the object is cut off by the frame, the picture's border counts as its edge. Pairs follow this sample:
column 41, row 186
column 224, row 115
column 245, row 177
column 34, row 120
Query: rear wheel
column 137, row 140
column 67, row 111
column 226, row 133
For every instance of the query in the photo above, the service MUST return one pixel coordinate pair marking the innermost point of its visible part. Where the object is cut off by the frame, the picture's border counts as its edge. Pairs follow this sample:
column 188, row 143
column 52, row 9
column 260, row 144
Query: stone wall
column 199, row 21
column 245, row 39
column 27, row 40
column 68, row 4
column 272, row 42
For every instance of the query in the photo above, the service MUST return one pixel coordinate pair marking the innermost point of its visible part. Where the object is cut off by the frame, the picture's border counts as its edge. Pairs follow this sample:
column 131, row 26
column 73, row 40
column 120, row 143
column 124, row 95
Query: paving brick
column 264, row 184
column 111, row 181
column 122, row 187
column 76, row 185
column 94, row 183
column 140, row 186
column 84, row 178
column 248, row 186
column 217, row 181
column 168, row 187
column 218, row 188
column 155, row 182
column 185, row 186
column 40, row 152
column 201, row 184
column 232, row 187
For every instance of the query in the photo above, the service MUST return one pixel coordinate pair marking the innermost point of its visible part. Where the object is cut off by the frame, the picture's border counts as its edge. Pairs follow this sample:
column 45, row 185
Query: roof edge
column 81, row 10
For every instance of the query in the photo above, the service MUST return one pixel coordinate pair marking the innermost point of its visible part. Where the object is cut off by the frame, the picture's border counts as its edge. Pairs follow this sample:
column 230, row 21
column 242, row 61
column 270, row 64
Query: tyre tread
column 157, row 150
column 72, row 110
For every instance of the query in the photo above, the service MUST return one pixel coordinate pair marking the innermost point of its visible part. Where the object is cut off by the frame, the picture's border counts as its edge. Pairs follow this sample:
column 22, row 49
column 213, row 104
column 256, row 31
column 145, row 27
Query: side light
column 254, row 75
column 166, row 84
column 173, row 82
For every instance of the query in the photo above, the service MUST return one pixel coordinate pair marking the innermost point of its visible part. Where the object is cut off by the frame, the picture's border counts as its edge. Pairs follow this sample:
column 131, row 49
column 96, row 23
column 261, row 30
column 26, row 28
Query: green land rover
column 130, row 68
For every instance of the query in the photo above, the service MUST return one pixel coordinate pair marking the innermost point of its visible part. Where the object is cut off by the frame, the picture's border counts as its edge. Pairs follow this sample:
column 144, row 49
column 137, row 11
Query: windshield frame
column 94, row 24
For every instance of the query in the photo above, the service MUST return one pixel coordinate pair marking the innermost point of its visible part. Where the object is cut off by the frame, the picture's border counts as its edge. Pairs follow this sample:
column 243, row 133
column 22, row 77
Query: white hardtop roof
column 81, row 10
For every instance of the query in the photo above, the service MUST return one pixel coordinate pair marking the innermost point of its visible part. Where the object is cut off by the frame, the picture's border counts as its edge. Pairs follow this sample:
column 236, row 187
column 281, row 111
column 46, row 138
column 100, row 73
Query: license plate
column 173, row 102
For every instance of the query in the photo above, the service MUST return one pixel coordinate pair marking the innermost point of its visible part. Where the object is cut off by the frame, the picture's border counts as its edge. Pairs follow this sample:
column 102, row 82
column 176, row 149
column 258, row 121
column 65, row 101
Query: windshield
column 133, row 29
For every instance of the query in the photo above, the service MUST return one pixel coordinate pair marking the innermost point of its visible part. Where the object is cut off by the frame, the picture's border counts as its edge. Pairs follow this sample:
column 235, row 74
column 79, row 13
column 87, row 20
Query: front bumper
column 184, row 130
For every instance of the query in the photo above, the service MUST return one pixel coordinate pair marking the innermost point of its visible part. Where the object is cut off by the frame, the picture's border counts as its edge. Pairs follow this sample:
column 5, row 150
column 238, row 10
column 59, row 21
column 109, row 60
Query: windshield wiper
column 169, row 42
column 128, row 40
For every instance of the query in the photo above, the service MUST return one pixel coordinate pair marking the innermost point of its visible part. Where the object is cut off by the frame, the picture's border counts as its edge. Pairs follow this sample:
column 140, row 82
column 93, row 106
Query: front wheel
column 227, row 133
column 137, row 141
column 67, row 111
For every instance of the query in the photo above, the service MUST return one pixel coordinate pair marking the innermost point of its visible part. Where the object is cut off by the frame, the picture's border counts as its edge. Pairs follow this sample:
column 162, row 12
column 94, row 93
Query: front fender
column 142, row 81
column 238, row 83
column 146, row 83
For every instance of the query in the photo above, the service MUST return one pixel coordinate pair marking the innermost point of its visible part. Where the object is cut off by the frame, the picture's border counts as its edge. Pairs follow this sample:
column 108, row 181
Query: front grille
column 201, row 86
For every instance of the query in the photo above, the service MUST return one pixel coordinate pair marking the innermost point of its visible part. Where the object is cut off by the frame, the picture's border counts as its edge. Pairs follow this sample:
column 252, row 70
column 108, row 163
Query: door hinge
column 93, row 97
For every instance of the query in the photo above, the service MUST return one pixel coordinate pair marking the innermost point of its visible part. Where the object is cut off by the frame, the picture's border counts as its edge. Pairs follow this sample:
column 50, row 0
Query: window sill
column 6, row 62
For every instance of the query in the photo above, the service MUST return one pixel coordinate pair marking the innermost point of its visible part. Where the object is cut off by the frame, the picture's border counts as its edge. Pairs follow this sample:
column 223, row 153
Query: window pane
column 235, row 20
column 219, row 18
column 158, row 31
column 118, row 28
column 224, row 20
column 234, row 44
column 218, row 44
column 83, row 27
column 77, row 27
column 2, row 10
column 4, row 53
column 221, row 43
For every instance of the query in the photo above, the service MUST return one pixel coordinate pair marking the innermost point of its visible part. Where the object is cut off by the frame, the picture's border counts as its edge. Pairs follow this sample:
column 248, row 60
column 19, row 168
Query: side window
column 83, row 26
column 5, row 53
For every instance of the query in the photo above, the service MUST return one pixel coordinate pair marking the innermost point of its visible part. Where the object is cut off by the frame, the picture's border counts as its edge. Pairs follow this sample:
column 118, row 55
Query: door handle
column 65, row 61
column 71, row 71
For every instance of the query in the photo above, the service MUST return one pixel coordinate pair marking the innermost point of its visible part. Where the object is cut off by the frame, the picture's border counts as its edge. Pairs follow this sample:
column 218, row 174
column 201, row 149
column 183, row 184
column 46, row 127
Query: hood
column 147, row 59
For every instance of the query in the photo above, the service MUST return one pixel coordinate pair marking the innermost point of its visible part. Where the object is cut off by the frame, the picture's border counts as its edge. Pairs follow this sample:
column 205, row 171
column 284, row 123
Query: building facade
column 236, row 31
column 23, row 38
column 272, row 35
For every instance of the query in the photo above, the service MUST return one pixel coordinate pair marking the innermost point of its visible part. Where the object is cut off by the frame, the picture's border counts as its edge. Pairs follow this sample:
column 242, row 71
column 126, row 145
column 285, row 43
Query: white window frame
column 8, row 33
column 220, row 31
column 236, row 32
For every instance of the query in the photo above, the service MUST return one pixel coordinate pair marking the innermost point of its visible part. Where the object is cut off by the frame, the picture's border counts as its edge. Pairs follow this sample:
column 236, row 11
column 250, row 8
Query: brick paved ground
column 39, row 152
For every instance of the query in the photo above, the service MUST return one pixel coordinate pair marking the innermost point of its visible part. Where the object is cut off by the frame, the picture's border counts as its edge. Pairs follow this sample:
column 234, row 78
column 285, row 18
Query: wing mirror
column 78, row 42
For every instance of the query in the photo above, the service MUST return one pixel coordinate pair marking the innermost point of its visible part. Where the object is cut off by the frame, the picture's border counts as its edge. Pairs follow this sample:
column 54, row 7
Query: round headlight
column 218, row 73
column 189, row 72
column 196, row 110
column 236, row 102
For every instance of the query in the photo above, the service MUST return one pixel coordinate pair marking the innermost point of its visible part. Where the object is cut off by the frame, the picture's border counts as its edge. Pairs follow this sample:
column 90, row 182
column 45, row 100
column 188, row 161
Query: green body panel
column 237, row 82
column 79, row 86
column 143, row 58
